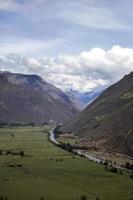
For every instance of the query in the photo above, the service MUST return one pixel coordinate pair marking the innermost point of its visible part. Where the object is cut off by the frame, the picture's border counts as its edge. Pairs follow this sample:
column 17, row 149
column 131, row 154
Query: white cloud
column 25, row 6
column 93, row 17
column 84, row 13
column 9, row 5
column 91, row 70
column 27, row 46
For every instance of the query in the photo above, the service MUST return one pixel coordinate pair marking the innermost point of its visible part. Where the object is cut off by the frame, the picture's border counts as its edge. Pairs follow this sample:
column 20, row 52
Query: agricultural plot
column 48, row 172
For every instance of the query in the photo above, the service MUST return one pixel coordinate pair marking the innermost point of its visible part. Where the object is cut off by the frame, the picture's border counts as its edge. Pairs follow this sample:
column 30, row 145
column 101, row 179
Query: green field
column 41, row 176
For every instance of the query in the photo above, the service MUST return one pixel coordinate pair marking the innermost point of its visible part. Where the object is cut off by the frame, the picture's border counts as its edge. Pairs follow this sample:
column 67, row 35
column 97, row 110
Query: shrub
column 131, row 176
column 1, row 197
column 121, row 172
column 128, row 165
column 113, row 170
column 97, row 198
column 83, row 197
column 19, row 165
column 105, row 163
column 11, row 165
column 22, row 153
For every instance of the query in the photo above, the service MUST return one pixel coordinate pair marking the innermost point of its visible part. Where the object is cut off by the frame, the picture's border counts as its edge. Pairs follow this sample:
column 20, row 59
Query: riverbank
column 85, row 154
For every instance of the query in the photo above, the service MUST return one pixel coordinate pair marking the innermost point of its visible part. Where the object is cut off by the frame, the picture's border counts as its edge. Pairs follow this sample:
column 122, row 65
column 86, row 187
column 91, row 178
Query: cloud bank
column 90, row 70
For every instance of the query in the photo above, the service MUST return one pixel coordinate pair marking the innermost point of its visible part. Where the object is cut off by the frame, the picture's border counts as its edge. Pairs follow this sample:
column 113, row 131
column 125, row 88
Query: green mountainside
column 109, row 119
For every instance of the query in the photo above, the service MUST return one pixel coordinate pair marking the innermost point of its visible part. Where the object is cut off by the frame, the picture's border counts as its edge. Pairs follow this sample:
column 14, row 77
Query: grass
column 42, row 177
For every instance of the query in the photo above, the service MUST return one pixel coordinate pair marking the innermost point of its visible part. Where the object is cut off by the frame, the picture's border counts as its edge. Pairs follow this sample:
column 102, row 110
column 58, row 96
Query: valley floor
column 52, row 173
column 100, row 153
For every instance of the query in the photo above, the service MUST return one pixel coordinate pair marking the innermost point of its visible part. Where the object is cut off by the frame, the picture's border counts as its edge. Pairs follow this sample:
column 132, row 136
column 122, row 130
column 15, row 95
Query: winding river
column 78, row 151
column 83, row 153
column 52, row 137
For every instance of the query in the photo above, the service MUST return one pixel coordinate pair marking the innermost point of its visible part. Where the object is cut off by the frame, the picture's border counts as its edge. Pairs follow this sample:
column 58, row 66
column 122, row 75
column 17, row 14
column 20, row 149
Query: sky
column 84, row 45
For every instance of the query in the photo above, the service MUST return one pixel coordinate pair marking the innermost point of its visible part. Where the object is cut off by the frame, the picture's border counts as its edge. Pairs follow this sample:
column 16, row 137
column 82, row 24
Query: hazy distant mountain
column 109, row 119
column 29, row 98
column 82, row 99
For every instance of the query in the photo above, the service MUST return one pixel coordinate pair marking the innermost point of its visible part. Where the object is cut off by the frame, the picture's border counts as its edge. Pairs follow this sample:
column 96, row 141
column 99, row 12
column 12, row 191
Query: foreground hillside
column 28, row 98
column 50, row 173
column 109, row 119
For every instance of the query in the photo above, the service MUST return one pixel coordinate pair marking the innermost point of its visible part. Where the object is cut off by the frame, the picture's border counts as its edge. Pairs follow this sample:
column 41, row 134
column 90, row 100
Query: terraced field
column 50, row 173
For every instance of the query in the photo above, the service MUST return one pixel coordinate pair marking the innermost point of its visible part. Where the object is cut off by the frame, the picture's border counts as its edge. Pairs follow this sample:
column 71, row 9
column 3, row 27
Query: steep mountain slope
column 28, row 98
column 109, row 119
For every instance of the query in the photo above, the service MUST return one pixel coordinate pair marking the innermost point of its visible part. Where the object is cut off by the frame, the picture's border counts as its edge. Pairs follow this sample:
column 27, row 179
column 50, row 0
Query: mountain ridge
column 108, row 119
column 29, row 98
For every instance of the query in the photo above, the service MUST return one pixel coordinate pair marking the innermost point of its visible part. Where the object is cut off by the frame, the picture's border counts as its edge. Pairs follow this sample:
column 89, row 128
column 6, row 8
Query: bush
column 73, row 157
column 128, row 165
column 1, row 197
column 121, row 172
column 131, row 176
column 19, row 165
column 105, row 163
column 22, row 153
column 113, row 170
column 11, row 165
column 97, row 198
column 83, row 197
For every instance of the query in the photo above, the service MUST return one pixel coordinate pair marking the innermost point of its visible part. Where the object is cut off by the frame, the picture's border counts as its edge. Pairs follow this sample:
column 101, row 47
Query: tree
column 114, row 170
column 22, row 153
column 120, row 171
column 1, row 197
column 83, row 197
column 97, row 198
column 131, row 175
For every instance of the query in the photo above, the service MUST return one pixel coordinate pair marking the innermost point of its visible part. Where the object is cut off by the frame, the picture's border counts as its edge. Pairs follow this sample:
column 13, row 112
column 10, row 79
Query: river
column 82, row 152
column 52, row 138
column 79, row 152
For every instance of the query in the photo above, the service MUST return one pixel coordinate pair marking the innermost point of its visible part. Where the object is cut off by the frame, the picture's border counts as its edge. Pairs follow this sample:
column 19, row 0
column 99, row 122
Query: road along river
column 79, row 152
column 83, row 153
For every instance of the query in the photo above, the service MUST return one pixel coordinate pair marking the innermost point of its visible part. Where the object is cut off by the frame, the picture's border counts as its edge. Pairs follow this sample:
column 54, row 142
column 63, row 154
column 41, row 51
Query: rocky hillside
column 109, row 119
column 29, row 98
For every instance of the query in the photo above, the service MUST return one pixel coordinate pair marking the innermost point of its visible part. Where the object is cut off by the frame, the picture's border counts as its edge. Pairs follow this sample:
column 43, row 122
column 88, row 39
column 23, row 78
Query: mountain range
column 82, row 99
column 108, row 120
column 30, row 99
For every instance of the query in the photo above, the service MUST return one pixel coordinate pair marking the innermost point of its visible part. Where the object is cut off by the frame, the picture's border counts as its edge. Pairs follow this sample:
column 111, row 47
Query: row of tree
column 14, row 153
column 20, row 124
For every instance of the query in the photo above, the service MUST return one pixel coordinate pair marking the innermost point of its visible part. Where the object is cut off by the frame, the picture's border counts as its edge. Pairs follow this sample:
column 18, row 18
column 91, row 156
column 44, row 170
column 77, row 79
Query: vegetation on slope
column 109, row 119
